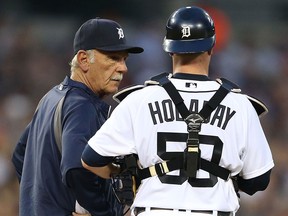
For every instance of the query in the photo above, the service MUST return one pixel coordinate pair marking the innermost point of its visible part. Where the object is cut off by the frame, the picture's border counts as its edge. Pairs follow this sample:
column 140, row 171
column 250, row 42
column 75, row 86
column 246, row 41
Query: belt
column 138, row 210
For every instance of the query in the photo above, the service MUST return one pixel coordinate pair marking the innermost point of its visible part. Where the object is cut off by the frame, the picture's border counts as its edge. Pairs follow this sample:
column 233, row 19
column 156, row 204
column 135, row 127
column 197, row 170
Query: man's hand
column 79, row 210
column 80, row 214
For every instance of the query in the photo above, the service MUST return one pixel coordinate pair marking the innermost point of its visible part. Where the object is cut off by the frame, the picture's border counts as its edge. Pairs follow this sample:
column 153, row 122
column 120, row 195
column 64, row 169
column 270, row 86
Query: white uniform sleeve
column 257, row 158
column 114, row 137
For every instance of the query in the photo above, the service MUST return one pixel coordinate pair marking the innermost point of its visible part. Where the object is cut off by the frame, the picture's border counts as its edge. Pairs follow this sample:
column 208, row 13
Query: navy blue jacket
column 52, row 180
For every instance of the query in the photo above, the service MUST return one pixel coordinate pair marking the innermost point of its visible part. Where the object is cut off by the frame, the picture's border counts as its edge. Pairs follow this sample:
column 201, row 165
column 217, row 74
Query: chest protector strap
column 191, row 159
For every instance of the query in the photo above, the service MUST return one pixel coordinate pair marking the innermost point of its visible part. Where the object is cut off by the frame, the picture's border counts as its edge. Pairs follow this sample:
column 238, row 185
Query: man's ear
column 83, row 60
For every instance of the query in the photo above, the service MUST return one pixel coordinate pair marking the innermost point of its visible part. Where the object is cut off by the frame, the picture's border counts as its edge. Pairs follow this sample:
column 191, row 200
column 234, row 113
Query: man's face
column 106, row 72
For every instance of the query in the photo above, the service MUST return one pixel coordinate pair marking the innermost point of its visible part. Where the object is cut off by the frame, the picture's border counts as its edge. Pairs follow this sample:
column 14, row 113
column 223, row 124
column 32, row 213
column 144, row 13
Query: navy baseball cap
column 102, row 34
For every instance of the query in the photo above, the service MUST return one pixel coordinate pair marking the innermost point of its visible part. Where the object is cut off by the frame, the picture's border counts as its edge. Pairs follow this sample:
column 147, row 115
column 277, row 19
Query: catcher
column 195, row 137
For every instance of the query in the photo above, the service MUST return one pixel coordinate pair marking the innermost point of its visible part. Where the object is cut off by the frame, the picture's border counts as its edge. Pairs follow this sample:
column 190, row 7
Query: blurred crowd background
column 36, row 40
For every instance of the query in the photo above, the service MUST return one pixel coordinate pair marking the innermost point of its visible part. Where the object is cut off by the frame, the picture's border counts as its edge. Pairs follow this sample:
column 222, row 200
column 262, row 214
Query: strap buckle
column 194, row 122
column 191, row 160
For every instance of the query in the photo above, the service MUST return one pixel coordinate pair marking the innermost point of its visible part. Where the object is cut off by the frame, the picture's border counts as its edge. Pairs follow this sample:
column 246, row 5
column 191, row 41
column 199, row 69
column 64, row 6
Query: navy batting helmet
column 189, row 30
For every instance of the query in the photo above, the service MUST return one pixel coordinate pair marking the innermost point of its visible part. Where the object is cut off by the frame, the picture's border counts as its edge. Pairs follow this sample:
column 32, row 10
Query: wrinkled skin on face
column 104, row 74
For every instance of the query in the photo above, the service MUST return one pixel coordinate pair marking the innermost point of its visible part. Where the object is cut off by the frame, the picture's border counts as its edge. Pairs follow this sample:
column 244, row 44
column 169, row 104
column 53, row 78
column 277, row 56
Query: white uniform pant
column 159, row 212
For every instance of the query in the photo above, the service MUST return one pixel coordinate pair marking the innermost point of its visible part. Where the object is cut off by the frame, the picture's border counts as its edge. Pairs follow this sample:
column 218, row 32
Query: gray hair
column 75, row 64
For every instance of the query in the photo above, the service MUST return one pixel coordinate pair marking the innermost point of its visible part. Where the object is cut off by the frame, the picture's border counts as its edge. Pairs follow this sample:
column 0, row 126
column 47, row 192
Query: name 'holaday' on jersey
column 166, row 111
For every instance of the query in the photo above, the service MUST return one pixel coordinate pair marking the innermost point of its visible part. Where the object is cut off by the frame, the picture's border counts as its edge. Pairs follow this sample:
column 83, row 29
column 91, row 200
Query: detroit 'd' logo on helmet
column 186, row 31
column 189, row 30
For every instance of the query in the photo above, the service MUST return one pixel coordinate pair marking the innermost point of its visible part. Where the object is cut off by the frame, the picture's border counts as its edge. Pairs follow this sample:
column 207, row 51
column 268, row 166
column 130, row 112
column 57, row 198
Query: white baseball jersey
column 147, row 123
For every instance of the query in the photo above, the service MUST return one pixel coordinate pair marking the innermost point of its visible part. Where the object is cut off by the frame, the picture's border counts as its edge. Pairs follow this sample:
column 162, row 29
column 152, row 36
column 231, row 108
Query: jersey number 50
column 214, row 141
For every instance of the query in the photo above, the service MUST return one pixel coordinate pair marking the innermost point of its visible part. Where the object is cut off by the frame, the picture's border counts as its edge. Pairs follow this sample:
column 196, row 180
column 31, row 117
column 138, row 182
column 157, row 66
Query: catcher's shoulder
column 123, row 93
column 258, row 105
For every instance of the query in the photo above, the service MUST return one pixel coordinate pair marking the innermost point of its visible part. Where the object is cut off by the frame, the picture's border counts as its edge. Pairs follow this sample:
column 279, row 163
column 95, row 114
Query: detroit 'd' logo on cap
column 120, row 33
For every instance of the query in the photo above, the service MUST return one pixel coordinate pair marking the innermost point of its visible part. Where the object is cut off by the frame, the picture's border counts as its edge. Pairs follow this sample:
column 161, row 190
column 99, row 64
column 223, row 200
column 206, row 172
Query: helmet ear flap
column 210, row 51
column 189, row 30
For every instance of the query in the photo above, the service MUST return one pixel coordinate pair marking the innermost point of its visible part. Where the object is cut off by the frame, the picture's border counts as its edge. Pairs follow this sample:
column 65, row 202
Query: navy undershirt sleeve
column 92, row 158
column 251, row 186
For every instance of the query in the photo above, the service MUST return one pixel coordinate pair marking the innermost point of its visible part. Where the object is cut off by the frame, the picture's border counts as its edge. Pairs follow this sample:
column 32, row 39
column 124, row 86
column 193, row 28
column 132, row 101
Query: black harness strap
column 173, row 93
column 191, row 161
column 161, row 169
column 225, row 88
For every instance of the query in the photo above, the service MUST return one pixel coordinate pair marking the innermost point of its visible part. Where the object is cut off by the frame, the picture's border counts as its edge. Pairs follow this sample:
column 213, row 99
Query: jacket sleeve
column 19, row 153
column 92, row 194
